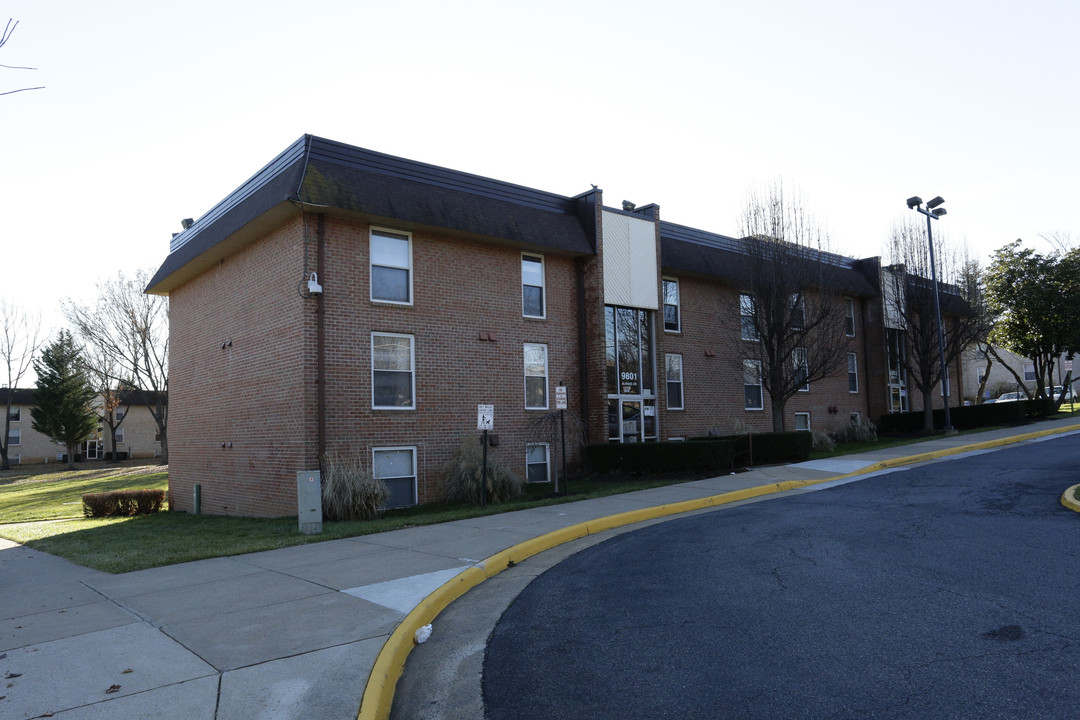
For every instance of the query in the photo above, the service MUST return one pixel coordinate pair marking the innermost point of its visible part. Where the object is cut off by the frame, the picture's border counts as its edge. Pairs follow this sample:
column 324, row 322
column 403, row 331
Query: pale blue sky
column 153, row 112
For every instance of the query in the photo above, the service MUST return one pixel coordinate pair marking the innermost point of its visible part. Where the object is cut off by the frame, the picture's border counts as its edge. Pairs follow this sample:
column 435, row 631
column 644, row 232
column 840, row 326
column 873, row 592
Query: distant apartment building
column 136, row 433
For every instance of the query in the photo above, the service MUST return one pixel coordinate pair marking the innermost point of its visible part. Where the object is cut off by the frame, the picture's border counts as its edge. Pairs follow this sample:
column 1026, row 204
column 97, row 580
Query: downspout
column 866, row 358
column 583, row 353
column 320, row 361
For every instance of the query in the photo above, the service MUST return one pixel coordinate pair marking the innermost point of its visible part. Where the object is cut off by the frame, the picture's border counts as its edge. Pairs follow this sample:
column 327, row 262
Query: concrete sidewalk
column 296, row 632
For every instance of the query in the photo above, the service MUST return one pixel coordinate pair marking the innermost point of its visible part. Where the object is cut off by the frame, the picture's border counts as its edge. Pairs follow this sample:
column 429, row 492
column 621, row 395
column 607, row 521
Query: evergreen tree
column 62, row 400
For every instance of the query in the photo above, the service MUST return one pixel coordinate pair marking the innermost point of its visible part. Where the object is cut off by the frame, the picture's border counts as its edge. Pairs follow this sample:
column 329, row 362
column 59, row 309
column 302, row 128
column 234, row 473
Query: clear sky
column 153, row 112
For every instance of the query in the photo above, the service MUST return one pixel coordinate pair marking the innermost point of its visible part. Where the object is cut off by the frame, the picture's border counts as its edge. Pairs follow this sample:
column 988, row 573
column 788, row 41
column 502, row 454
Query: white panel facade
column 616, row 230
column 892, row 290
column 643, row 271
column 630, row 271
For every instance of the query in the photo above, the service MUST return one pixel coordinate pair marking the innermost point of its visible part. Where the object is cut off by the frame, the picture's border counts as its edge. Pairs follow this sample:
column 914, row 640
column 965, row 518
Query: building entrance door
column 631, row 419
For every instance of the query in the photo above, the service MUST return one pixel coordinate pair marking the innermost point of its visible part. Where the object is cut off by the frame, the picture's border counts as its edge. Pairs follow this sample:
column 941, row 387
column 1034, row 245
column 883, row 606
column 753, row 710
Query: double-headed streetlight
column 934, row 211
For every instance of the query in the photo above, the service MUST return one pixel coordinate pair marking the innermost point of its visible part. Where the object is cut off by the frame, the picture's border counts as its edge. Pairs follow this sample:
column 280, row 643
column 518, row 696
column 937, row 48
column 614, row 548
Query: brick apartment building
column 438, row 291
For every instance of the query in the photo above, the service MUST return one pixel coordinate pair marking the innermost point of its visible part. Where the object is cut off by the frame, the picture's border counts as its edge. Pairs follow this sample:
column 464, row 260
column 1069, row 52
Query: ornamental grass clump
column 822, row 441
column 349, row 490
column 461, row 476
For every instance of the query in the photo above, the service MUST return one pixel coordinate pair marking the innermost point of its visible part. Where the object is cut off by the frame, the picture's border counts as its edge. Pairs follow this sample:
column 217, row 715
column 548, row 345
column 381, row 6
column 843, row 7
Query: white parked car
column 1006, row 397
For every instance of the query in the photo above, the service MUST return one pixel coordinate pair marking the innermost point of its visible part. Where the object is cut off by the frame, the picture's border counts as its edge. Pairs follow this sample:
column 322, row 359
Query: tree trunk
column 777, row 415
column 981, row 392
column 928, row 410
column 71, row 457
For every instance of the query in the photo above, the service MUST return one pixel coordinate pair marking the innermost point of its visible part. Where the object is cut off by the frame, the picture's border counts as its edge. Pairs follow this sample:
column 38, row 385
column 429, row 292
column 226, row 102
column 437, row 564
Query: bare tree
column 131, row 328
column 791, row 313
column 962, row 299
column 20, row 339
column 103, row 372
column 9, row 30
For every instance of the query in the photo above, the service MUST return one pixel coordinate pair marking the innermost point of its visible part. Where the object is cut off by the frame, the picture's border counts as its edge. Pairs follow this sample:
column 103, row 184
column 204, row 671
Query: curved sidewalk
column 323, row 629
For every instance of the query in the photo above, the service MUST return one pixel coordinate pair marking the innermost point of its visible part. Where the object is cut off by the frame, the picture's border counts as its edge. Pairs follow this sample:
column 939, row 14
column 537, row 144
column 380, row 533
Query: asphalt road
column 945, row 591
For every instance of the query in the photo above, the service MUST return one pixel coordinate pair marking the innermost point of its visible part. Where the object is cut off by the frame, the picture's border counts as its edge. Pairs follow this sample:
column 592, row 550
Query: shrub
column 349, row 490
column 821, row 441
column 970, row 416
column 700, row 454
column 122, row 503
column 860, row 430
column 462, row 476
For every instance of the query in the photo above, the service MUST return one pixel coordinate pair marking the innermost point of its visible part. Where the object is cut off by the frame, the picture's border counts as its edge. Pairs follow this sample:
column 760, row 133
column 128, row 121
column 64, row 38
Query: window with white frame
column 802, row 421
column 671, row 305
column 396, row 466
column 802, row 369
column 391, row 266
column 118, row 413
column 752, row 390
column 674, row 366
column 536, row 371
column 536, row 463
column 1029, row 373
column 392, row 378
column 852, row 373
column 16, row 414
column 14, row 437
column 746, row 317
column 849, row 317
column 532, row 286
column 119, row 434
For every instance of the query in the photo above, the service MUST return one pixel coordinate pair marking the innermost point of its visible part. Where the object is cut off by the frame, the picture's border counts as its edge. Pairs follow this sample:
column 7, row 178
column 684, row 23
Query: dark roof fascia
column 266, row 193
column 697, row 253
column 138, row 397
column 365, row 160
column 19, row 396
column 417, row 195
column 333, row 176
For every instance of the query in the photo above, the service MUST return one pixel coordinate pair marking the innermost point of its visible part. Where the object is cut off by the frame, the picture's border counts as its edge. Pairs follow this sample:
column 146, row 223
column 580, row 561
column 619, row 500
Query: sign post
column 560, row 405
column 485, row 420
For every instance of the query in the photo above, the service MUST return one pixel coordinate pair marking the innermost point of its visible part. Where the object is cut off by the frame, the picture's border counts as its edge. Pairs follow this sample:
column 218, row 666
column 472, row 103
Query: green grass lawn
column 35, row 492
column 44, row 511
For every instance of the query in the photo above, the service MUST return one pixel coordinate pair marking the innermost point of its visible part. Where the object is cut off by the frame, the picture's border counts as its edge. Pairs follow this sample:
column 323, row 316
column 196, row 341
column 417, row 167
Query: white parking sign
column 485, row 417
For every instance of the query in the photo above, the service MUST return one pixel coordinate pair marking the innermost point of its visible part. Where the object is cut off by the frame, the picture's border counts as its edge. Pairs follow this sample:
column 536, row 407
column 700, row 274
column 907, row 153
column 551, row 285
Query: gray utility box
column 309, row 501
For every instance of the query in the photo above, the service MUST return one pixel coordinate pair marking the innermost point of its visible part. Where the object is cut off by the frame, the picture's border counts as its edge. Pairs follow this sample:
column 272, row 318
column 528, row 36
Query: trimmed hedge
column 969, row 416
column 699, row 455
column 122, row 503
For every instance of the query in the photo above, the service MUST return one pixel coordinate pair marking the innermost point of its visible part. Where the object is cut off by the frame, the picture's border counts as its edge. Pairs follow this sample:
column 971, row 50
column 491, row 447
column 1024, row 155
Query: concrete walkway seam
column 390, row 663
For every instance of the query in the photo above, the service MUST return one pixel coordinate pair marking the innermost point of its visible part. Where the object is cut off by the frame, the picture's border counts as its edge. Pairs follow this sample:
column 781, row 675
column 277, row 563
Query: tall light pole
column 933, row 211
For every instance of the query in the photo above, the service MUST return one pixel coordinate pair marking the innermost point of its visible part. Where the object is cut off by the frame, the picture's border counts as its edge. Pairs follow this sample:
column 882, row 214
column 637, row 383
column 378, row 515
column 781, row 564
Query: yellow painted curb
column 379, row 692
column 1068, row 498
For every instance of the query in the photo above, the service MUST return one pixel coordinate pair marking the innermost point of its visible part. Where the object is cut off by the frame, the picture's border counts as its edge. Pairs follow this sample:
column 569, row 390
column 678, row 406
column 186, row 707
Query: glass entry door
column 631, row 419
column 631, row 375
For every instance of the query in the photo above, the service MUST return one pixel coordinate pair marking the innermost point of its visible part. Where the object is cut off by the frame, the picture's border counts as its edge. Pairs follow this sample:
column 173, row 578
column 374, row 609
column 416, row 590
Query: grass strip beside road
column 118, row 545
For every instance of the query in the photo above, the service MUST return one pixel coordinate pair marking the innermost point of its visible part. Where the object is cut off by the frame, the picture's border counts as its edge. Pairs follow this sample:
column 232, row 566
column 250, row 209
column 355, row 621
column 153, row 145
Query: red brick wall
column 463, row 290
column 250, row 393
column 710, row 341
